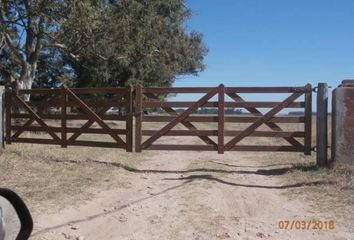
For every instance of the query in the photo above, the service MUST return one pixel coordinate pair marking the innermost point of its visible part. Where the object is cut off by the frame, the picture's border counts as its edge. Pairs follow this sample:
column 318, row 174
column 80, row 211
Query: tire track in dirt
column 172, row 201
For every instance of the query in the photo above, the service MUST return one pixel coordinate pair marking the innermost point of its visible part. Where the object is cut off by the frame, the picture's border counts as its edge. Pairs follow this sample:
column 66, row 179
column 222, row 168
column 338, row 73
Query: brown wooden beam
column 37, row 118
column 228, row 133
column 228, row 118
column 138, row 117
column 322, row 125
column 221, row 118
column 308, row 122
column 95, row 117
column 180, row 118
column 262, row 120
column 185, row 123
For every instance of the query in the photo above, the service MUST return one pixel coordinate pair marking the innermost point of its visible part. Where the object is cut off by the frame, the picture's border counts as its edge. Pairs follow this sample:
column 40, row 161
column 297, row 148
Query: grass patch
column 50, row 178
column 334, row 196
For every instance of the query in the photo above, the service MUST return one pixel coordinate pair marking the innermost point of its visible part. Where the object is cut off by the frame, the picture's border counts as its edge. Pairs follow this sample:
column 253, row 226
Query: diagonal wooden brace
column 37, row 118
column 273, row 126
column 95, row 116
column 31, row 120
column 90, row 122
column 185, row 123
column 266, row 117
column 180, row 118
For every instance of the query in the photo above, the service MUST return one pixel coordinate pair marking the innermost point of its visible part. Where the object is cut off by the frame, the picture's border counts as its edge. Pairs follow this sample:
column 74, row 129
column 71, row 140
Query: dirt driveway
column 191, row 195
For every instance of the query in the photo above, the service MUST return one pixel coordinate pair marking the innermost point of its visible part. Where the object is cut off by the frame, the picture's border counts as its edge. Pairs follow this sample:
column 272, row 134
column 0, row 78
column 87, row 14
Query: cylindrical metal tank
column 343, row 123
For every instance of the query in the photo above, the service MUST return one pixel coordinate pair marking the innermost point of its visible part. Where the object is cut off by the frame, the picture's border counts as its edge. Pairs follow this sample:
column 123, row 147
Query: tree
column 144, row 42
column 97, row 42
column 29, row 28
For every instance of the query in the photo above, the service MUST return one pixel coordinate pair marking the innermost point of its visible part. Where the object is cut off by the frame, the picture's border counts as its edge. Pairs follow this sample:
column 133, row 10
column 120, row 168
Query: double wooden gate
column 66, row 116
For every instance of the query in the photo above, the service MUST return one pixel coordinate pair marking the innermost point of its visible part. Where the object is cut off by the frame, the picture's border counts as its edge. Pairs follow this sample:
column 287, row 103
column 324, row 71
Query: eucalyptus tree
column 97, row 42
column 33, row 29
column 28, row 29
column 144, row 42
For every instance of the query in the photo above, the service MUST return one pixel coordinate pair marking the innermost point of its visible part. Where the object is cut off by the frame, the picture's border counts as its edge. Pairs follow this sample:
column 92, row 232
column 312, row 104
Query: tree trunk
column 26, row 79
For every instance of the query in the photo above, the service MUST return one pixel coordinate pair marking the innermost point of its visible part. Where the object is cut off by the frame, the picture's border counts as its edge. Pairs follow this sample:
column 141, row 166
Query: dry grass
column 334, row 196
column 50, row 178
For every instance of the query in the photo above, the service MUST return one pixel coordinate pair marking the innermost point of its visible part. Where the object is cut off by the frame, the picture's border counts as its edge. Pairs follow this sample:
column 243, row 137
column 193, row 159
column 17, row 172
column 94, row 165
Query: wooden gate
column 71, row 117
column 150, row 103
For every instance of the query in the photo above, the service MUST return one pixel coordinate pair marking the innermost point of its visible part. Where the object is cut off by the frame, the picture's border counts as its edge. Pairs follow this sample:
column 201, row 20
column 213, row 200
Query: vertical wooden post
column 138, row 117
column 322, row 127
column 8, row 104
column 221, row 118
column 308, row 120
column 64, row 99
column 129, row 119
column 2, row 120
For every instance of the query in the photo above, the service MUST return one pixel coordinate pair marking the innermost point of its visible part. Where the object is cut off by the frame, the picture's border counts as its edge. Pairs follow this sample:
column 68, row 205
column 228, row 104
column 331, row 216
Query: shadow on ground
column 190, row 179
column 264, row 172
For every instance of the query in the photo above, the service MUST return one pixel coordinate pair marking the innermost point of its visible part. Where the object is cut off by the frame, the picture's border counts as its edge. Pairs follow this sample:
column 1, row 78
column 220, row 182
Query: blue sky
column 274, row 42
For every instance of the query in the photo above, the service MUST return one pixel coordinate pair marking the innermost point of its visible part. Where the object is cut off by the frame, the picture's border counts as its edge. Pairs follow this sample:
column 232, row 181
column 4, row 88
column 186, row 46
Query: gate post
column 2, row 109
column 63, row 118
column 8, row 106
column 308, row 120
column 322, row 125
column 129, row 119
column 221, row 118
column 138, row 116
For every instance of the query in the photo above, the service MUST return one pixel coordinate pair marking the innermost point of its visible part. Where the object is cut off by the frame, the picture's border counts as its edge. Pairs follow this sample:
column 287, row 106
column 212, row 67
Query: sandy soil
column 189, row 195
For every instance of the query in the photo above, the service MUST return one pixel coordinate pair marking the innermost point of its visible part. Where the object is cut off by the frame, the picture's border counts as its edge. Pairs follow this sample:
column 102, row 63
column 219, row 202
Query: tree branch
column 9, row 43
column 61, row 46
column 14, row 50
column 2, row 43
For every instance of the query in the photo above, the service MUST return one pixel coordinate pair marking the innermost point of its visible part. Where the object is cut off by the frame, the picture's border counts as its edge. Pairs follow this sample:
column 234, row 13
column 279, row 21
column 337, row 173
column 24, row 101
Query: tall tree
column 143, row 42
column 97, row 42
column 27, row 29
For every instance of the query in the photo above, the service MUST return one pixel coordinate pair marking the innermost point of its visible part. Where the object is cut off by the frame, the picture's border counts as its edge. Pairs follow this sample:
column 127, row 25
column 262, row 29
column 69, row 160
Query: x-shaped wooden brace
column 254, row 111
column 95, row 117
column 37, row 118
column 264, row 119
column 180, row 119
column 31, row 120
column 185, row 123
column 90, row 122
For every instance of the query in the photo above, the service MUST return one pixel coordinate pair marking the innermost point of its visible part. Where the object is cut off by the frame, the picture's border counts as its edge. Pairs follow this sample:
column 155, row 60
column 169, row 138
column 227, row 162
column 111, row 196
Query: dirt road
column 189, row 195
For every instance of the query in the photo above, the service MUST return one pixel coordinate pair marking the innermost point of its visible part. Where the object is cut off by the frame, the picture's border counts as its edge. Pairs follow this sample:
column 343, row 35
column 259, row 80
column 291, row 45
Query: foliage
column 97, row 43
